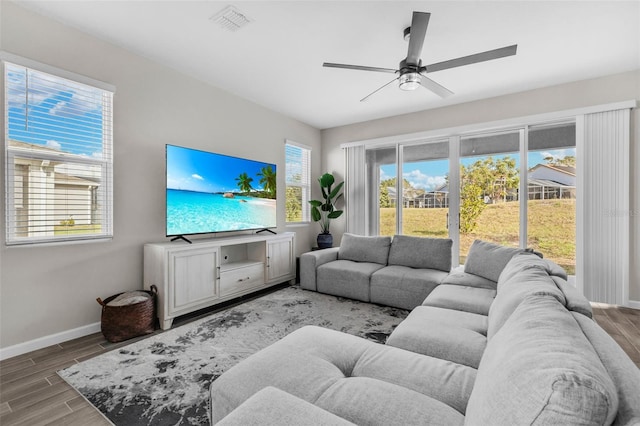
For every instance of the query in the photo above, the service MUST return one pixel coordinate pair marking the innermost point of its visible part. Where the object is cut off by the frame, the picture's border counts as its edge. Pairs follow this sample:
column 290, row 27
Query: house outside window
column 58, row 153
column 298, row 182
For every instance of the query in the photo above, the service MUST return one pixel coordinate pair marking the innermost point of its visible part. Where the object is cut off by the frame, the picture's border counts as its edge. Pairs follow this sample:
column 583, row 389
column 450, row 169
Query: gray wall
column 52, row 289
column 615, row 88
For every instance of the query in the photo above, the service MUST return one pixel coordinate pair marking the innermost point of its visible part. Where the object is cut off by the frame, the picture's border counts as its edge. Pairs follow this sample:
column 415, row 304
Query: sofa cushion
column 554, row 269
column 461, row 298
column 525, row 275
column 442, row 333
column 418, row 252
column 309, row 363
column 575, row 301
column 367, row 401
column 346, row 278
column 620, row 367
column 457, row 277
column 271, row 406
column 518, row 263
column 488, row 260
column 430, row 314
column 403, row 287
column 364, row 249
column 540, row 369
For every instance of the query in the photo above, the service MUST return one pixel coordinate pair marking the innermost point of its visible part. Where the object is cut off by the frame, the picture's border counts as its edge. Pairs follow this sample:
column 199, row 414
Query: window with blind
column 298, row 182
column 59, row 158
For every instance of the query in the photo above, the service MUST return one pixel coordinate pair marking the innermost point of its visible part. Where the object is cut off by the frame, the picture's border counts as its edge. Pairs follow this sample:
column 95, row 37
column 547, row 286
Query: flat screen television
column 208, row 192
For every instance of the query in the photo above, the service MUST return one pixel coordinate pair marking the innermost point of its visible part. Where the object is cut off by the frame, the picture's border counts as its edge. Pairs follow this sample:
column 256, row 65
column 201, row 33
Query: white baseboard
column 53, row 339
column 634, row 304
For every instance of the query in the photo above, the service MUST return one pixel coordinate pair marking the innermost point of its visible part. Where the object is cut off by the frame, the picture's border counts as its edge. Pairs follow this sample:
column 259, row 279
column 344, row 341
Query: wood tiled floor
column 31, row 393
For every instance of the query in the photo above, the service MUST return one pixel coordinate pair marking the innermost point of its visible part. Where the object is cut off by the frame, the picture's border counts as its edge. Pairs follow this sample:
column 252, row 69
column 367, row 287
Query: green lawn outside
column 76, row 229
column 551, row 227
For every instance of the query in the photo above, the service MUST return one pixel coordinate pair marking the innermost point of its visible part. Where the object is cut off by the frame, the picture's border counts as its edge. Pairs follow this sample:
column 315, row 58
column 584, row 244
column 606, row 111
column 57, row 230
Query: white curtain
column 603, row 165
column 355, row 190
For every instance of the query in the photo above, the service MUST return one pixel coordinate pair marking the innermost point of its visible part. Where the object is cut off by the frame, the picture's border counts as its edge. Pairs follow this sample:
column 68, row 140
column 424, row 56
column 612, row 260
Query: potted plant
column 324, row 211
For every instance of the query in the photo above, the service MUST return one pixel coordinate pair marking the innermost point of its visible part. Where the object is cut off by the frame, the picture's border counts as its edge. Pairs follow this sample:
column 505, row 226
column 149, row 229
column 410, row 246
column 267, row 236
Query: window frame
column 104, row 163
column 305, row 185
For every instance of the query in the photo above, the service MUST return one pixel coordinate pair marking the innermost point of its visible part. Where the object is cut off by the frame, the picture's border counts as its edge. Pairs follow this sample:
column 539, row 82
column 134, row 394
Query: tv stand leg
column 266, row 230
column 181, row 237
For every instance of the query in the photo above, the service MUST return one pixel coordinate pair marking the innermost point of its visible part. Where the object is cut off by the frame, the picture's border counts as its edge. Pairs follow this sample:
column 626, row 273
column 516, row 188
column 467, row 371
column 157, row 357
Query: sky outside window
column 53, row 112
column 429, row 175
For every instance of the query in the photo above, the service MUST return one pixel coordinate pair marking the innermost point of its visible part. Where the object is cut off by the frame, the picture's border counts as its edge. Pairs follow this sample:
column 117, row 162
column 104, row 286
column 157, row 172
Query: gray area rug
column 164, row 379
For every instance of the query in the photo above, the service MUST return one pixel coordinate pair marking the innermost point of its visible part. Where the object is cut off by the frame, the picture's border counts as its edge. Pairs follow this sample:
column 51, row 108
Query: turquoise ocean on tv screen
column 190, row 212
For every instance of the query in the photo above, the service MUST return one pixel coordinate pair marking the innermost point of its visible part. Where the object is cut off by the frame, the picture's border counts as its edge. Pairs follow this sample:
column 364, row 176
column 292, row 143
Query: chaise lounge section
column 536, row 357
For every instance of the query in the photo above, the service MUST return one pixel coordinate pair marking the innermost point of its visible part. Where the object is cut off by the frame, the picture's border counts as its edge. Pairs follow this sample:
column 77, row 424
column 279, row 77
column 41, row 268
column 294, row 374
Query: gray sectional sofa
column 529, row 354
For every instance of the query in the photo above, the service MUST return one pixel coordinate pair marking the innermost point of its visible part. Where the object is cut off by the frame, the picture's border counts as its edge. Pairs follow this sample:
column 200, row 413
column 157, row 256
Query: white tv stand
column 195, row 276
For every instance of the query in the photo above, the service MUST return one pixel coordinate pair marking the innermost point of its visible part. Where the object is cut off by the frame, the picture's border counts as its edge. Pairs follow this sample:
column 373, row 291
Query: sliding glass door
column 489, row 180
column 551, row 182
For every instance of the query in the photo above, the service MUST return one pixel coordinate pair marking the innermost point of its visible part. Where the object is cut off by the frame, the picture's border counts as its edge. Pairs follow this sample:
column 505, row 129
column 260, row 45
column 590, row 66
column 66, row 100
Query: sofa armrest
column 310, row 261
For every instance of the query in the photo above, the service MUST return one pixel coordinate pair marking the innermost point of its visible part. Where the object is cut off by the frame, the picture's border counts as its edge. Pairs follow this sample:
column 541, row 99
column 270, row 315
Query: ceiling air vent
column 230, row 18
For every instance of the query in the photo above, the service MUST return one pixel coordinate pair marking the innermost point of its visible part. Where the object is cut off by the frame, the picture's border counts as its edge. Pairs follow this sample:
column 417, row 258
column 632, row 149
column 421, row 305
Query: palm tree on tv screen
column 268, row 180
column 244, row 182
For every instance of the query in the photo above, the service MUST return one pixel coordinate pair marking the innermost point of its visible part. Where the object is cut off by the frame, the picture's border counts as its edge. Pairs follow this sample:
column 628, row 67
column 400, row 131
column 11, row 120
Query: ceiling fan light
column 409, row 81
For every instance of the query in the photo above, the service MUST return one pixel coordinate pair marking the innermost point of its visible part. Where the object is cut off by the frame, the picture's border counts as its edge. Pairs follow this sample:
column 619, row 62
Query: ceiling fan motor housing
column 409, row 75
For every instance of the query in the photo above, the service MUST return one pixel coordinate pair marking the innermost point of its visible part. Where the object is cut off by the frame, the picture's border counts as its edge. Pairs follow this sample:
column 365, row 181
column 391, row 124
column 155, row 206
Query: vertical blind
column 604, row 267
column 298, row 182
column 59, row 158
column 355, row 190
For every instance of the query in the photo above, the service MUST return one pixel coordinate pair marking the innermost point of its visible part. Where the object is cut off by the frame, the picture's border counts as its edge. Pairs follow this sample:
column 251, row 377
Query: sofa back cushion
column 487, row 259
column 541, row 369
column 418, row 252
column 364, row 249
column 622, row 370
column 524, row 275
column 576, row 302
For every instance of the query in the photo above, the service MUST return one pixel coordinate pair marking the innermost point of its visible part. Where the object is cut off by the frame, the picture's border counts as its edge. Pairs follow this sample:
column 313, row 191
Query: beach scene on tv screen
column 209, row 192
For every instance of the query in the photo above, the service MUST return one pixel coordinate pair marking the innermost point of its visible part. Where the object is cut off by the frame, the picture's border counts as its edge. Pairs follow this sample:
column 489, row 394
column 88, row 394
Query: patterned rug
column 164, row 379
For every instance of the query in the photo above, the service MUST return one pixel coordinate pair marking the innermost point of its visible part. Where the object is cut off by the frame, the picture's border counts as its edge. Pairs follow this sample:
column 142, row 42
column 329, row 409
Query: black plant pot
column 325, row 241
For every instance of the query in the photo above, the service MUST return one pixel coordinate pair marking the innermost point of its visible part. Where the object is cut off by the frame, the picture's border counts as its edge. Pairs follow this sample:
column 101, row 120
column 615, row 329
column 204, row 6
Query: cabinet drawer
column 240, row 279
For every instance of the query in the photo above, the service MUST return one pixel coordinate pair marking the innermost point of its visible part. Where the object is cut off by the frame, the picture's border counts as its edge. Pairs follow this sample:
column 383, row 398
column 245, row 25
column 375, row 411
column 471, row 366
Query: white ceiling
column 276, row 60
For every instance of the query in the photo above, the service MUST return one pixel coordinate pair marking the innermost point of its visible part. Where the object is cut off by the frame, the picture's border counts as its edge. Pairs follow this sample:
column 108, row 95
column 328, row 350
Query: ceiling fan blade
column 436, row 88
column 472, row 59
column 359, row 67
column 419, row 23
column 377, row 90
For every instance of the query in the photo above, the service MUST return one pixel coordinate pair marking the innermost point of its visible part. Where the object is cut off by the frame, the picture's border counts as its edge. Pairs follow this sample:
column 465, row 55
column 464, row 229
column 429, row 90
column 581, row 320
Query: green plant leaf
column 335, row 214
column 315, row 203
column 326, row 180
column 315, row 214
column 335, row 191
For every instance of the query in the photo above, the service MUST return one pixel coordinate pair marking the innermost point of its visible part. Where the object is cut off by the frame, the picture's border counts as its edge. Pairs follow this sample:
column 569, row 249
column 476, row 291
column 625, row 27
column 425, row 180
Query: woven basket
column 120, row 323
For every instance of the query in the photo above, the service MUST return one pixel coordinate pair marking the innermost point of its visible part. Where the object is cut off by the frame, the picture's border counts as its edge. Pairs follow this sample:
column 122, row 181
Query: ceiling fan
column 411, row 72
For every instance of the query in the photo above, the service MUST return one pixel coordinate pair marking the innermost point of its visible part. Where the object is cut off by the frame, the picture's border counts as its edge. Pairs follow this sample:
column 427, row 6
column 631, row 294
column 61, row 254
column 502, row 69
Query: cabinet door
column 194, row 275
column 280, row 260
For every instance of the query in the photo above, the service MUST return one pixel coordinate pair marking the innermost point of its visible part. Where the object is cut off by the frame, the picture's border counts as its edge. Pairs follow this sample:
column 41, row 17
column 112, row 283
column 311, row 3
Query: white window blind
column 59, row 159
column 298, row 182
